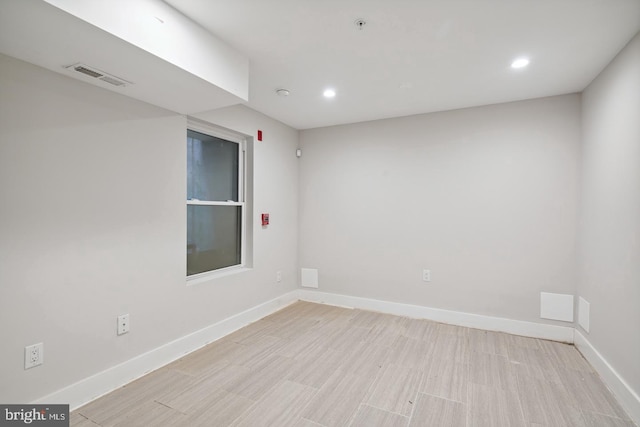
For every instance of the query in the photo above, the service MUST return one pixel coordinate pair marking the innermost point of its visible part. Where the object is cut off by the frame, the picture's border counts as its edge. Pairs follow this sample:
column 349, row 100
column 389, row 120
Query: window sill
column 213, row 275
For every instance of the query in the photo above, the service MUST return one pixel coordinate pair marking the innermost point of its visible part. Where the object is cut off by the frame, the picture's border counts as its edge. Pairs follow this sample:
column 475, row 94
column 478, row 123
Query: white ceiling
column 413, row 56
column 44, row 33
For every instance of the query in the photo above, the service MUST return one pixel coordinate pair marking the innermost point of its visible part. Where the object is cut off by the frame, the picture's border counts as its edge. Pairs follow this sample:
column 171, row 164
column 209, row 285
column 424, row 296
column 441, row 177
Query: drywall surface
column 93, row 225
column 159, row 29
column 609, row 257
column 485, row 198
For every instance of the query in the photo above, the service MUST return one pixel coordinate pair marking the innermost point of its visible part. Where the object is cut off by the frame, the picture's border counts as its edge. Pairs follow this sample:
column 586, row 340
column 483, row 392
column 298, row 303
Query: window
column 215, row 200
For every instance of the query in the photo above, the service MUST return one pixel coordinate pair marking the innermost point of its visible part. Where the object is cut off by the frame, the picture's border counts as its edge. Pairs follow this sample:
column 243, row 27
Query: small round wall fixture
column 329, row 93
column 282, row 92
column 360, row 23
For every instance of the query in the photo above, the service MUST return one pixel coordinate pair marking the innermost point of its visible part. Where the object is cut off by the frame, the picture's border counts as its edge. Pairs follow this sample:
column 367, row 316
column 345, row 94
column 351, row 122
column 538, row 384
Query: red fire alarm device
column 265, row 219
column 259, row 135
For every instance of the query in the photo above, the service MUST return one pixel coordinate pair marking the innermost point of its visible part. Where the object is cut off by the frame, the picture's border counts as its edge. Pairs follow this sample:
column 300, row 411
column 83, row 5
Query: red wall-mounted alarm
column 265, row 219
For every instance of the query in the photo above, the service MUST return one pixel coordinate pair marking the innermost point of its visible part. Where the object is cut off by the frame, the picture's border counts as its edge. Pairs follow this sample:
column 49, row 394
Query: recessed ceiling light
column 282, row 92
column 329, row 93
column 520, row 63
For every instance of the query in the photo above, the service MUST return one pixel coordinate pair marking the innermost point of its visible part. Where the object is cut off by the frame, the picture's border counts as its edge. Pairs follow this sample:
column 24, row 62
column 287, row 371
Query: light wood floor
column 313, row 365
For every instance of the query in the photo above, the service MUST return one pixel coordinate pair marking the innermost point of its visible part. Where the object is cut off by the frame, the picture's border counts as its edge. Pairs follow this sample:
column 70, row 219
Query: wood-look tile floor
column 312, row 365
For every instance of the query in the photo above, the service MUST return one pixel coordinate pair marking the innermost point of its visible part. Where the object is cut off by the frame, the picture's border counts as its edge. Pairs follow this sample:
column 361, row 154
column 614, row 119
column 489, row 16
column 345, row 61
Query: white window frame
column 240, row 140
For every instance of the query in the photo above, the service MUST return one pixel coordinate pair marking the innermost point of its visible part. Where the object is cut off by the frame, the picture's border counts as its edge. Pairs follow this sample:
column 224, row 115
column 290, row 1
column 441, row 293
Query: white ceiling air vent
column 97, row 74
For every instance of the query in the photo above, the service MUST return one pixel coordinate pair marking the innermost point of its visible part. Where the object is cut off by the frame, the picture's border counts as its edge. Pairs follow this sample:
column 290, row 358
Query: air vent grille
column 97, row 74
column 88, row 72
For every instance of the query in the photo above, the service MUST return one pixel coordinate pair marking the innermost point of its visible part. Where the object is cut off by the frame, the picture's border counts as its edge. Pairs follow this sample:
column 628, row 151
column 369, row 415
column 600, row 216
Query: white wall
column 93, row 224
column 609, row 261
column 484, row 197
column 275, row 172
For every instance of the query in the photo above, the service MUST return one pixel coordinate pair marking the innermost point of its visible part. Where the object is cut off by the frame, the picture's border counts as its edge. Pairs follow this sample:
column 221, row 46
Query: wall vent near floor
column 98, row 74
column 309, row 277
column 556, row 306
column 583, row 313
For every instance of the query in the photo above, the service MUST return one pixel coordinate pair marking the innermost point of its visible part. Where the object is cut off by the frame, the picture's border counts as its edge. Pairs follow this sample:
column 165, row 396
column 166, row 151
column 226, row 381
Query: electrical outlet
column 426, row 275
column 33, row 355
column 279, row 276
column 123, row 324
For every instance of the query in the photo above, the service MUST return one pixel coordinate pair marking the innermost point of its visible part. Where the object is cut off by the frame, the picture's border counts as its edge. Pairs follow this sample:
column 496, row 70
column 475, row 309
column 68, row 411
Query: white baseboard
column 627, row 397
column 91, row 388
column 516, row 327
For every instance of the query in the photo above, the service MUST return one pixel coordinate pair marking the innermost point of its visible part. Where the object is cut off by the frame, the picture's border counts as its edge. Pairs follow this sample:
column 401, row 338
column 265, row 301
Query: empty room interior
column 336, row 213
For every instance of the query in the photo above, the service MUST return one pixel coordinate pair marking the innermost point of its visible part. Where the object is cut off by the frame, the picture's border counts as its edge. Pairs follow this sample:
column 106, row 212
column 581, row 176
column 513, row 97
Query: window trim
column 237, row 138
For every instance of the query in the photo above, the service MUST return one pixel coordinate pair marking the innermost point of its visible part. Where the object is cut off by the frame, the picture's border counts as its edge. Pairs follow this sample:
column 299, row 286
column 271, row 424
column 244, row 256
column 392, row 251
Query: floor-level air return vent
column 97, row 74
